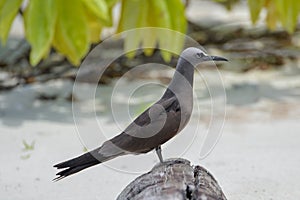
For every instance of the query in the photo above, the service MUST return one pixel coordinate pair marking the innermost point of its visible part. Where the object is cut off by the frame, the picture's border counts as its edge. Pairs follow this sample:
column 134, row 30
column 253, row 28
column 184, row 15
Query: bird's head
column 196, row 56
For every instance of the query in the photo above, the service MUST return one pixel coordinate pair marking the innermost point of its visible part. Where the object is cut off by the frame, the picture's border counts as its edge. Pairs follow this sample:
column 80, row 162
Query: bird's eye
column 199, row 55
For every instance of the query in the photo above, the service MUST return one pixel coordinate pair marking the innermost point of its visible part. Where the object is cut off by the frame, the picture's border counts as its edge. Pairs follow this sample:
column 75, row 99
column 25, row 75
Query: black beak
column 218, row 58
column 215, row 58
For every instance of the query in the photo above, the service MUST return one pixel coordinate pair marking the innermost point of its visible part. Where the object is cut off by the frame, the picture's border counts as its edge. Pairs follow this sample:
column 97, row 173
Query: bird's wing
column 156, row 111
column 170, row 103
column 153, row 118
column 146, row 125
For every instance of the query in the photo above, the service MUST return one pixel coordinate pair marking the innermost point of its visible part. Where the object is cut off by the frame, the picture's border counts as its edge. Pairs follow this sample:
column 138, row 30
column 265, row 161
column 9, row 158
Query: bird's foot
column 158, row 152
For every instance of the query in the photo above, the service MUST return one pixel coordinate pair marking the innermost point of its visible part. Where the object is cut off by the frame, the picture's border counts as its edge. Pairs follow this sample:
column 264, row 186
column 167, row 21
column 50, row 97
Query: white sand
column 257, row 155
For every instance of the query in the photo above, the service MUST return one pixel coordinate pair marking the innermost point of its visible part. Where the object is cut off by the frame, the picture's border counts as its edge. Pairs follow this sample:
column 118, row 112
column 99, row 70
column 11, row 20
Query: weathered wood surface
column 174, row 179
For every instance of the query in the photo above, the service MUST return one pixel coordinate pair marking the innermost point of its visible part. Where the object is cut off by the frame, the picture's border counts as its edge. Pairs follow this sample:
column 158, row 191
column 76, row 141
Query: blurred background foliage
column 71, row 26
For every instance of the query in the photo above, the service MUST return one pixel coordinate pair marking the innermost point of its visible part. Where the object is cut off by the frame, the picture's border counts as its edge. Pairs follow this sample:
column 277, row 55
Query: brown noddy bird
column 155, row 126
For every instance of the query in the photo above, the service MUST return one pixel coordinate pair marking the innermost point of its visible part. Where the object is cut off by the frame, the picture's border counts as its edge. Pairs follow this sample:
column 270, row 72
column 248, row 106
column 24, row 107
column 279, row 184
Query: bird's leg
column 158, row 152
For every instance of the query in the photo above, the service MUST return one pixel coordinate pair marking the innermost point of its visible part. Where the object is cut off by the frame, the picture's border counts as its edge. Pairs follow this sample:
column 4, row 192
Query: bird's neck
column 186, row 69
column 182, row 81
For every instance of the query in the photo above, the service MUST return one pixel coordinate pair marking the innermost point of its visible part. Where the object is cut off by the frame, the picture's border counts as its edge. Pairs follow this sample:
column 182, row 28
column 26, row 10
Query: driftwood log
column 174, row 179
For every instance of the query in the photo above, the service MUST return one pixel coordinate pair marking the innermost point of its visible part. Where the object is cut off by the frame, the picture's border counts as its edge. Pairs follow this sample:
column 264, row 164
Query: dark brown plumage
column 155, row 126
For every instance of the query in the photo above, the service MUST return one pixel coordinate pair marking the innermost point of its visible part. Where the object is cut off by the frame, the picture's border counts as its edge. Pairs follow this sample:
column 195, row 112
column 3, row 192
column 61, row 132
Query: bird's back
column 155, row 126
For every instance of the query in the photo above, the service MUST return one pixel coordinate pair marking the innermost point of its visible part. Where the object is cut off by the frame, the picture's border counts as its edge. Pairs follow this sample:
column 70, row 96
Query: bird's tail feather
column 77, row 164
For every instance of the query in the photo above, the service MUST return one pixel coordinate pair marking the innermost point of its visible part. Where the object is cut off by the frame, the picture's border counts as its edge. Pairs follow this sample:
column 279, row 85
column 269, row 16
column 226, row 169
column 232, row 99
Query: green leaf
column 100, row 9
column 131, row 11
column 272, row 15
column 8, row 11
column 149, row 39
column 177, row 15
column 132, row 42
column 71, row 33
column 40, row 19
column 130, row 18
column 178, row 24
column 94, row 26
column 284, row 11
column 288, row 11
column 158, row 14
column 161, row 18
column 255, row 7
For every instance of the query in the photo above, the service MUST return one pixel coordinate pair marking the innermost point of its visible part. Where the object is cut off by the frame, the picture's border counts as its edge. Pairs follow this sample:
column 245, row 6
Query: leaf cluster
column 71, row 26
column 284, row 12
column 278, row 11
